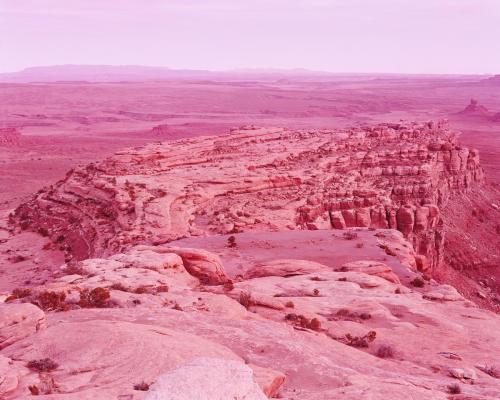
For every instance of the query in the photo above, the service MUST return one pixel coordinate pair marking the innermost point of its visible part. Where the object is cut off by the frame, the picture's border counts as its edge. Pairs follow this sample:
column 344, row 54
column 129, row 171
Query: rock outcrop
column 386, row 176
column 315, row 328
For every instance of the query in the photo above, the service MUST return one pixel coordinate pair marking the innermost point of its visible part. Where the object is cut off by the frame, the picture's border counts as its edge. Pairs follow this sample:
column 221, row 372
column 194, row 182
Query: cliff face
column 386, row 176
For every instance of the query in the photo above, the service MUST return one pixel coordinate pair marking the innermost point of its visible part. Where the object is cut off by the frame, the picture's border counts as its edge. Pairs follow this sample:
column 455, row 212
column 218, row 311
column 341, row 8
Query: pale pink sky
column 415, row 36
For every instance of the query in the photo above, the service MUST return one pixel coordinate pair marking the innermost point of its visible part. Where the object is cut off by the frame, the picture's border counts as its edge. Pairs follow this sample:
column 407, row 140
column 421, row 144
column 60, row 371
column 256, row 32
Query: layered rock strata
column 386, row 176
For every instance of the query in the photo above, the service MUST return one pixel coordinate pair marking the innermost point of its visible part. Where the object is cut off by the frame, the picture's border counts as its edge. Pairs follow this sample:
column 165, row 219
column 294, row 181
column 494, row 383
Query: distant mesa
column 474, row 108
column 494, row 80
column 161, row 130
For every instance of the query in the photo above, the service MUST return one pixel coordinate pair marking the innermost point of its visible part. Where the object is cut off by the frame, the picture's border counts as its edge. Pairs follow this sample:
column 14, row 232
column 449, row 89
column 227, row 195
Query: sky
column 394, row 36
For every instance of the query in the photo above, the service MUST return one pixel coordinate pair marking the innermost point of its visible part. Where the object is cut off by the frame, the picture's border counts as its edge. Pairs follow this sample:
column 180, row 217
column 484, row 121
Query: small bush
column 177, row 307
column 231, row 241
column 316, row 292
column 162, row 289
column 19, row 293
column 418, row 282
column 143, row 290
column 304, row 322
column 95, row 298
column 75, row 269
column 119, row 286
column 34, row 390
column 289, row 304
column 228, row 286
column 360, row 341
column 143, row 386
column 317, row 279
column 350, row 235
column 385, row 351
column 246, row 299
column 454, row 389
column 359, row 245
column 51, row 301
column 42, row 365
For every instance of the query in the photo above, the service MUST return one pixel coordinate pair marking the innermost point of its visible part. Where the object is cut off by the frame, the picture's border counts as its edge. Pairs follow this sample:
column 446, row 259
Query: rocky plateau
column 305, row 264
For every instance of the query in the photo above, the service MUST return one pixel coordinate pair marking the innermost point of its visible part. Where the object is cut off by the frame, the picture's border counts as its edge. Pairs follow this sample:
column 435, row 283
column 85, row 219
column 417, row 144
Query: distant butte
column 474, row 109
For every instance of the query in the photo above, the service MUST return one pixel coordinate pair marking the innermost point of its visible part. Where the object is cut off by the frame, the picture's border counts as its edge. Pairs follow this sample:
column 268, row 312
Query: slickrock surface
column 330, row 324
column 388, row 176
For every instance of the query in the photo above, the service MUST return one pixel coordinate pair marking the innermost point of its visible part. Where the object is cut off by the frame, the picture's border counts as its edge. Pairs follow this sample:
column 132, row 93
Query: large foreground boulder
column 207, row 378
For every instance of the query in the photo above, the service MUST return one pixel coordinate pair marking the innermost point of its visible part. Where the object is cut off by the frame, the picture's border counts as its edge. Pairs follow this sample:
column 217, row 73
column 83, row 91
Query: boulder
column 207, row 378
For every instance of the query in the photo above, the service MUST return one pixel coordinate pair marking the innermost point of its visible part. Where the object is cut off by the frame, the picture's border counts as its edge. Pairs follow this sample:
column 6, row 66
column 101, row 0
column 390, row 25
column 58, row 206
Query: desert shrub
column 143, row 386
column 316, row 292
column 304, row 322
column 417, row 282
column 228, row 286
column 454, row 389
column 385, row 351
column 95, row 298
column 350, row 235
column 143, row 290
column 359, row 245
column 387, row 250
column 360, row 341
column 34, row 390
column 42, row 365
column 177, row 307
column 317, row 279
column 119, row 286
column 246, row 299
column 289, row 304
column 231, row 241
column 162, row 289
column 19, row 293
column 75, row 269
column 51, row 301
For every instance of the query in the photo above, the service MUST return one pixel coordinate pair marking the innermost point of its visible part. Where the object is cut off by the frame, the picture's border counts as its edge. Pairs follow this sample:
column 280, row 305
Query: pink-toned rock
column 284, row 268
column 18, row 321
column 202, row 264
column 207, row 378
column 372, row 268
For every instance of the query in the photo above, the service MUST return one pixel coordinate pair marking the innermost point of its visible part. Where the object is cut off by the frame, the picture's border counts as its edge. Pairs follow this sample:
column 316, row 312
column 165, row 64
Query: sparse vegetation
column 290, row 304
column 19, row 293
column 231, row 241
column 119, row 286
column 304, row 322
column 143, row 386
column 228, row 286
column 162, row 289
column 42, row 365
column 246, row 299
column 454, row 389
column 34, row 390
column 95, row 298
column 350, row 235
column 418, row 282
column 75, row 269
column 359, row 245
column 385, row 351
column 360, row 341
column 51, row 301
